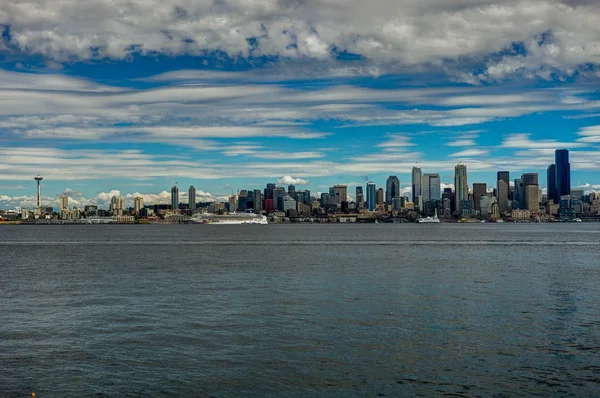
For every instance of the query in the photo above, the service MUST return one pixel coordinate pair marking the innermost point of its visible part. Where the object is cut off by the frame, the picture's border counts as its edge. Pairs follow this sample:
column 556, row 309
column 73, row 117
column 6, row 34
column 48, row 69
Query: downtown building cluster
column 519, row 199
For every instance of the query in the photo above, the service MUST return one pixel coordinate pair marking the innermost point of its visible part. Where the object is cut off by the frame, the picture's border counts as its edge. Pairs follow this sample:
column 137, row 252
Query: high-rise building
column 380, row 197
column 530, row 179
column 242, row 202
column 192, row 197
column 551, row 183
column 431, row 187
column 371, row 195
column 563, row 172
column 503, row 195
column 232, row 203
column 532, row 200
column 138, row 204
column 341, row 191
column 258, row 205
column 461, row 187
column 175, row 198
column 292, row 191
column 392, row 189
column 269, row 191
column 117, row 206
column 417, row 187
column 519, row 194
column 504, row 176
column 360, row 197
column 479, row 190
column 64, row 202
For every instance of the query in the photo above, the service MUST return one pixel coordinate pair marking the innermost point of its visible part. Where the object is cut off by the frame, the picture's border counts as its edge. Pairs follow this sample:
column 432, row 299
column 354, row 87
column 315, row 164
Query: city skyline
column 104, row 200
column 329, row 99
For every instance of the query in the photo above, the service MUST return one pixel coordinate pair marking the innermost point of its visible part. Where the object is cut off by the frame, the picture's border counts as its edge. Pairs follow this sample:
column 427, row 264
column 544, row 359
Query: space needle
column 39, row 179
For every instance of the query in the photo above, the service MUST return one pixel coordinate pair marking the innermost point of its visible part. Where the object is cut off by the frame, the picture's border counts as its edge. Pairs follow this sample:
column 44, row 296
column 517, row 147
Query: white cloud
column 428, row 33
column 464, row 142
column 522, row 141
column 289, row 180
column 470, row 153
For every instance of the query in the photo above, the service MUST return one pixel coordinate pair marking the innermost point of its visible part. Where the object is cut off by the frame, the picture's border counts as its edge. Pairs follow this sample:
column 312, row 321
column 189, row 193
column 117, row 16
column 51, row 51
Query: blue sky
column 130, row 97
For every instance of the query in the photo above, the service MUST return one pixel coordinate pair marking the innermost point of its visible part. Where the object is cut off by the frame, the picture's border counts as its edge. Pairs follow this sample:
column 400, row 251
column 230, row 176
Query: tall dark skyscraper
column 504, row 176
column 563, row 172
column 392, row 186
column 552, row 193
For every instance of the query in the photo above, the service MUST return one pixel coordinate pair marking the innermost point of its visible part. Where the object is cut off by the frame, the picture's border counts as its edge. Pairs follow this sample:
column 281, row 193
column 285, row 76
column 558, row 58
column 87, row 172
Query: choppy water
column 300, row 310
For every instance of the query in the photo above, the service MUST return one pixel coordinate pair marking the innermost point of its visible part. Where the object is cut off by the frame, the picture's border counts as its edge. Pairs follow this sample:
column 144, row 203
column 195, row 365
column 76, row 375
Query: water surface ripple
column 300, row 310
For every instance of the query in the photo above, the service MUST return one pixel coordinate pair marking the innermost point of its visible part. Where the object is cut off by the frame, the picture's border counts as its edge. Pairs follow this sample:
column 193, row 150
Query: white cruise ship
column 433, row 219
column 231, row 218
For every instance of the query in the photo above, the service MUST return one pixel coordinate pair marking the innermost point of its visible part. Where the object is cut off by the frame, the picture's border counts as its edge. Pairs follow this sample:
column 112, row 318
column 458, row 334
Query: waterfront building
column 175, row 198
column 257, row 201
column 431, row 187
column 479, row 190
column 466, row 207
column 269, row 194
column 117, row 206
column 392, row 189
column 532, row 200
column 551, row 183
column 461, row 187
column 138, row 205
column 324, row 199
column 360, row 197
column 242, row 202
column 380, row 198
column 504, row 205
column 91, row 211
column 371, row 195
column 192, row 197
column 530, row 179
column 486, row 205
column 577, row 193
column 519, row 194
column 417, row 187
column 563, row 172
column 341, row 192
column 64, row 202
column 289, row 204
column 232, row 203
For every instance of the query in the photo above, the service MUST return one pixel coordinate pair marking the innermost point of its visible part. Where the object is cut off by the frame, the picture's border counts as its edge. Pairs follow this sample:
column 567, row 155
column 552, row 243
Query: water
column 300, row 310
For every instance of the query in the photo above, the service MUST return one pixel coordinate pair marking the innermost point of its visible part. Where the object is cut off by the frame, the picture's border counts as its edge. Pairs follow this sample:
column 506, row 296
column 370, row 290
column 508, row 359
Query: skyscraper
column 531, row 192
column 192, row 197
column 292, row 190
column 431, row 187
column 563, row 172
column 138, row 204
column 479, row 189
column 360, row 197
column 392, row 189
column 417, row 187
column 461, row 187
column 551, row 183
column 504, row 176
column 371, row 195
column 64, row 202
column 174, row 198
column 342, row 191
column 258, row 205
column 380, row 197
column 503, row 195
column 519, row 193
column 530, row 179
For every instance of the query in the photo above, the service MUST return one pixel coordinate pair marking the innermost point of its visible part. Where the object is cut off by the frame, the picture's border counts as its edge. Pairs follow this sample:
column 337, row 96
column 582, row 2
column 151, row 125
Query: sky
column 129, row 97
